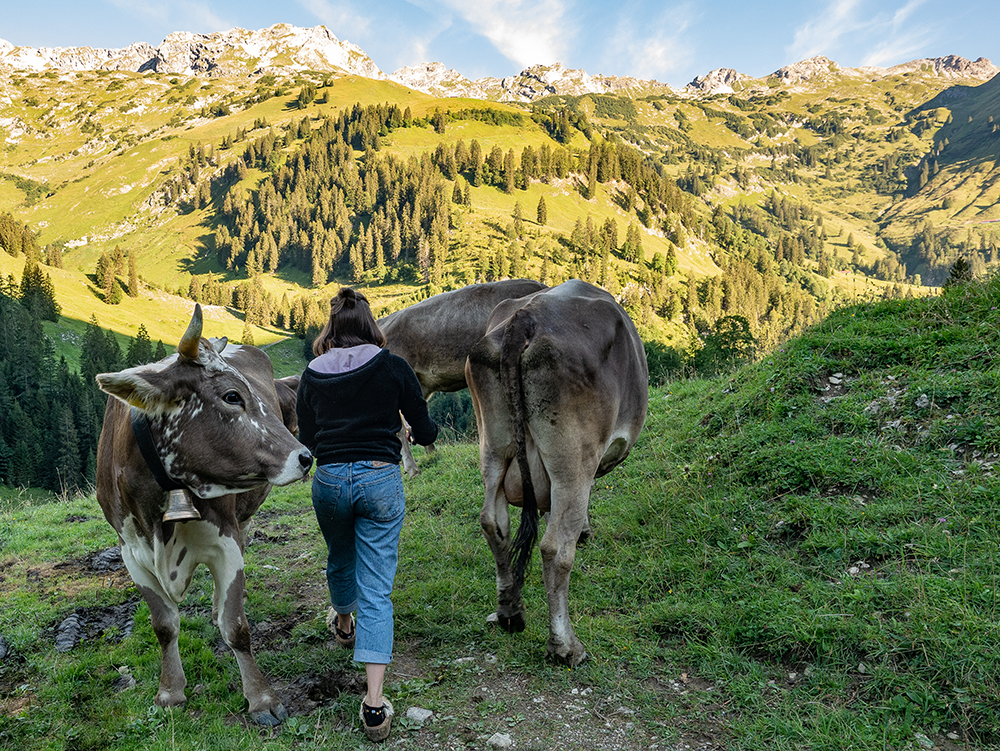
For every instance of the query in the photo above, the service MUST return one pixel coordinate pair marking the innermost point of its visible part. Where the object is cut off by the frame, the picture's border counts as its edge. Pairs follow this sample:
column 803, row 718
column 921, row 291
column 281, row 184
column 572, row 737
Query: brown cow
column 560, row 387
column 216, row 424
column 435, row 335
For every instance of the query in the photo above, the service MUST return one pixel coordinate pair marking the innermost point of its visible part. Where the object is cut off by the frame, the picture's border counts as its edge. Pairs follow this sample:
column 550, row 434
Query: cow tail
column 516, row 337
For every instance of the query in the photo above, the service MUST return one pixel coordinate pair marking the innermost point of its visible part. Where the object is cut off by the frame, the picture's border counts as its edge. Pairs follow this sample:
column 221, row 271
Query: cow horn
column 191, row 341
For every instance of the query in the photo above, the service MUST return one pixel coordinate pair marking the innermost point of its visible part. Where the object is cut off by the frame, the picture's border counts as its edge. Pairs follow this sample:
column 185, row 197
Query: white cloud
column 899, row 43
column 650, row 46
column 884, row 37
column 339, row 18
column 524, row 31
column 821, row 34
column 898, row 49
column 903, row 13
column 182, row 15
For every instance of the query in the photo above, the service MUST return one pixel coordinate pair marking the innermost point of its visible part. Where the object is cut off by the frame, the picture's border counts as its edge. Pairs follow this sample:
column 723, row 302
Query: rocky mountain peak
column 438, row 80
column 236, row 52
column 814, row 67
column 949, row 66
column 718, row 81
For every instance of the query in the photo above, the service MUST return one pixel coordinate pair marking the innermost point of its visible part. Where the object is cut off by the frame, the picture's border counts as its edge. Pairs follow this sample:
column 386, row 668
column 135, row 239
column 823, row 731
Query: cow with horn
column 190, row 448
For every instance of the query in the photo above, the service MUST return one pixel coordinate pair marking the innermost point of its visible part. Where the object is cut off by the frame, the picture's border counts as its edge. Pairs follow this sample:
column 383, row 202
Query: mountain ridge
column 283, row 48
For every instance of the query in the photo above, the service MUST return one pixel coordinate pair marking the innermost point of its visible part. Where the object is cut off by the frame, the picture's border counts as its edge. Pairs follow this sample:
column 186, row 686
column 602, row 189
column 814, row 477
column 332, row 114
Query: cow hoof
column 513, row 624
column 275, row 716
column 170, row 698
column 570, row 657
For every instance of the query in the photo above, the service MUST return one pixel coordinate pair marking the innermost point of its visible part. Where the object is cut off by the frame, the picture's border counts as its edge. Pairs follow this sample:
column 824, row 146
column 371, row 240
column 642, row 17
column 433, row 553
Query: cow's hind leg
column 264, row 705
column 567, row 522
column 495, row 521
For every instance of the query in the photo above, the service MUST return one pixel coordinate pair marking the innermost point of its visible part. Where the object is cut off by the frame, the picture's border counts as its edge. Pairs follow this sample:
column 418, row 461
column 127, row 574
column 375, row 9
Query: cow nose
column 305, row 459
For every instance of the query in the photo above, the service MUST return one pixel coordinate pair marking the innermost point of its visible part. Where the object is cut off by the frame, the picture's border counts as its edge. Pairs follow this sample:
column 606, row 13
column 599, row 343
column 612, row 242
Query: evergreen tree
column 37, row 292
column 133, row 276
column 140, row 348
column 542, row 213
column 247, row 336
column 67, row 460
column 961, row 272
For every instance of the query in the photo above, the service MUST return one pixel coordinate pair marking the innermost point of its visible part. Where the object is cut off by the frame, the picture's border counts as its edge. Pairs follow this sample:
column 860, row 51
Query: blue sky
column 668, row 41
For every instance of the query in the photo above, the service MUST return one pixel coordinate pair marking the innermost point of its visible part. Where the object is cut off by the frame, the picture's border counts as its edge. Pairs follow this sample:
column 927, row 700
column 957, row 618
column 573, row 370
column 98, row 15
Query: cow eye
column 233, row 397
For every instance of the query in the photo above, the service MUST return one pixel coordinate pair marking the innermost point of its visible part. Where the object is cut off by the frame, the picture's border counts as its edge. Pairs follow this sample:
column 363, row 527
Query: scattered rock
column 418, row 715
column 923, row 741
column 500, row 740
column 70, row 633
column 113, row 623
column 4, row 649
column 923, row 402
column 107, row 560
column 124, row 681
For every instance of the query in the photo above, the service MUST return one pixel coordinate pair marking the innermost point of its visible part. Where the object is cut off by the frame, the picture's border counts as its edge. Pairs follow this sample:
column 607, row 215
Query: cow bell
column 180, row 508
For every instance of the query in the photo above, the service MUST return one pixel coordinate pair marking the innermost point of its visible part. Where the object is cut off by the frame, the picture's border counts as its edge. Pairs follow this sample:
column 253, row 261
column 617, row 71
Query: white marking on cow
column 291, row 471
column 158, row 564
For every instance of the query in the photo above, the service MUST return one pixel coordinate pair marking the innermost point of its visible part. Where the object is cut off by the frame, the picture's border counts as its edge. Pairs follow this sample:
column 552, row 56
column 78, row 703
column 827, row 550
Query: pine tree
column 67, row 460
column 140, row 348
column 133, row 276
column 542, row 213
column 37, row 292
column 247, row 336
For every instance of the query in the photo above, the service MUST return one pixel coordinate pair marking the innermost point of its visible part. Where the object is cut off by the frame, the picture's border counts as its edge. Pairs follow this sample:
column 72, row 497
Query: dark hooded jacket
column 348, row 406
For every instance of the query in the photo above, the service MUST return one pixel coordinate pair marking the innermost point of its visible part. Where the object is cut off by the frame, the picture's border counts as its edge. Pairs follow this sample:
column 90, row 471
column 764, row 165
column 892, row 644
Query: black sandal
column 346, row 639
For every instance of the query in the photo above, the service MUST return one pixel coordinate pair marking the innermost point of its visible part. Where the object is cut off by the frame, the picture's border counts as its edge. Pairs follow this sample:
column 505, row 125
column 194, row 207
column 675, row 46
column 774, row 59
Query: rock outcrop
column 720, row 81
column 68, row 59
column 436, row 79
column 529, row 85
column 949, row 66
column 814, row 67
column 234, row 53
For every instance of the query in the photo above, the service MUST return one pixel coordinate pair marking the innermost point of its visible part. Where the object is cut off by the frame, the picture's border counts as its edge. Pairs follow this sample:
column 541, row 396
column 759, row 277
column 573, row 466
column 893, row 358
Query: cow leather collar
column 140, row 428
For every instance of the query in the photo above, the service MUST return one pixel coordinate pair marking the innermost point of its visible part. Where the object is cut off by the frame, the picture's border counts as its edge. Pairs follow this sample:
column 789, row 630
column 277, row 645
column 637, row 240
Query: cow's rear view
column 209, row 424
column 560, row 388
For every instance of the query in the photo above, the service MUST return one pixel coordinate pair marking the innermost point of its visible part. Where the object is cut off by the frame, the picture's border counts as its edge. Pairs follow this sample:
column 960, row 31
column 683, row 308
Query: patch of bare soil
column 508, row 710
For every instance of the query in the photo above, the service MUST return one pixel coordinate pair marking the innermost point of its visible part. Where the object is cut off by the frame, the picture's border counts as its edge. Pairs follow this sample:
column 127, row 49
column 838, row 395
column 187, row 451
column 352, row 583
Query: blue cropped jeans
column 360, row 509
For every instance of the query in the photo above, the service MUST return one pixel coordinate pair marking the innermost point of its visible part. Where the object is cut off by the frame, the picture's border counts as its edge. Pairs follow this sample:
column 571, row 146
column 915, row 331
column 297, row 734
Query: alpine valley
column 256, row 171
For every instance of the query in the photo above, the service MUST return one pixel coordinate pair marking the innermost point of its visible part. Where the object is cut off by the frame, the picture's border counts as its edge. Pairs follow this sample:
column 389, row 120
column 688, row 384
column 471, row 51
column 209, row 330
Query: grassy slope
column 100, row 180
column 784, row 562
column 100, row 202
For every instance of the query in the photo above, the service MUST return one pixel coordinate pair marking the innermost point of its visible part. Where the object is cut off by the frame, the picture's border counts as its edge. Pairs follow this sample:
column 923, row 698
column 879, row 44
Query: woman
column 349, row 400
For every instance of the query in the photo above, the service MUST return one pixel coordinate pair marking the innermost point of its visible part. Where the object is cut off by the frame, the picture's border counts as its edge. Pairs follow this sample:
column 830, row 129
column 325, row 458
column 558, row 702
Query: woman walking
column 349, row 401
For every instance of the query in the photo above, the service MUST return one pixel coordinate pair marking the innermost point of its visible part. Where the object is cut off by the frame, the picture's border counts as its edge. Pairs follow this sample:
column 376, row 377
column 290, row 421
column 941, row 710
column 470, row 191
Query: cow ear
column 287, row 390
column 219, row 344
column 131, row 387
